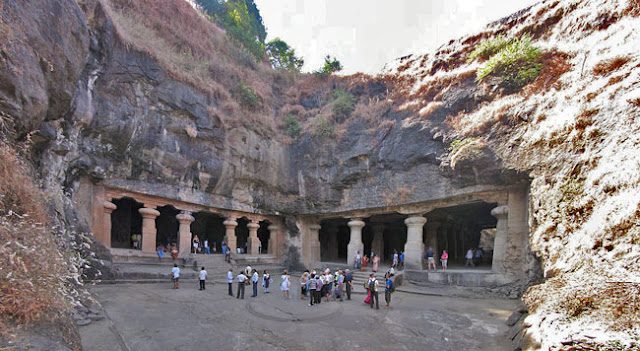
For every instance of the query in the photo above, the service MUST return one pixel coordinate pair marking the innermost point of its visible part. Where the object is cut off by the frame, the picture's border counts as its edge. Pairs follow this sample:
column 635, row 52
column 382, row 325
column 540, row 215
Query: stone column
column 230, row 234
column 377, row 244
column 105, row 238
column 431, row 239
column 149, row 229
column 414, row 248
column 500, row 241
column 274, row 248
column 355, row 240
column 314, row 243
column 184, row 233
column 254, row 242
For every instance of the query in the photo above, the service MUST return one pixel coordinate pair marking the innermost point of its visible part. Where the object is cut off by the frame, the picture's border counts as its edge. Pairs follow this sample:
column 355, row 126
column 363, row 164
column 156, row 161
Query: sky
column 366, row 34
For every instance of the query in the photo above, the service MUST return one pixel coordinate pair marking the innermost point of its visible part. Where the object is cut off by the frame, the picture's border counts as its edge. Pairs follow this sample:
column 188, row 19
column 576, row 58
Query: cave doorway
column 126, row 224
column 393, row 235
column 242, row 234
column 264, row 235
column 460, row 228
column 334, row 236
column 167, row 226
column 210, row 227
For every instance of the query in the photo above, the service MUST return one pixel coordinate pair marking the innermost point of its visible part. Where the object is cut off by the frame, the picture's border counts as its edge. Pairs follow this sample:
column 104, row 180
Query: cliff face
column 96, row 102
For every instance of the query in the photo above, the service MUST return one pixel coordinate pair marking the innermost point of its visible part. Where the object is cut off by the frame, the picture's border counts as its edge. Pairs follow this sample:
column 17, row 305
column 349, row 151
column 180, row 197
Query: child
column 203, row 277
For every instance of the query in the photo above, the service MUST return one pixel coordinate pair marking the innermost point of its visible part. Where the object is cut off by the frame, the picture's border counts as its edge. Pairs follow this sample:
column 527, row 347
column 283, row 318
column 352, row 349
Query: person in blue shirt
column 388, row 285
column 401, row 260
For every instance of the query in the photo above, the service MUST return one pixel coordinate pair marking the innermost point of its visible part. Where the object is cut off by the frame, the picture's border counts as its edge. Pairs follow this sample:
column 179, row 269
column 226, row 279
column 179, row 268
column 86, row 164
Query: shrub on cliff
column 247, row 97
column 488, row 48
column 343, row 105
column 322, row 128
column 291, row 126
column 517, row 64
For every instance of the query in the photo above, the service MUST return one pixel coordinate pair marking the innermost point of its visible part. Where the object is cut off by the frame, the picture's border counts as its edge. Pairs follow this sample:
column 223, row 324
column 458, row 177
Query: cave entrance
column 383, row 235
column 208, row 226
column 167, row 226
column 126, row 224
column 460, row 228
column 242, row 234
column 334, row 237
column 264, row 235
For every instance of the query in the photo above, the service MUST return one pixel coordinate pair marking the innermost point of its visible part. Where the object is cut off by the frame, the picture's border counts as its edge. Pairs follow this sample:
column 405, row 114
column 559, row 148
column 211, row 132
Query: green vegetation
column 282, row 56
column 242, row 21
column 456, row 145
column 247, row 97
column 343, row 105
column 488, row 48
column 518, row 64
column 331, row 65
column 292, row 126
column 322, row 128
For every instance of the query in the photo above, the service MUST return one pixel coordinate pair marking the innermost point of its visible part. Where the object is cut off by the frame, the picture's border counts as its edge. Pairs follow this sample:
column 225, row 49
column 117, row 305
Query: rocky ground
column 154, row 316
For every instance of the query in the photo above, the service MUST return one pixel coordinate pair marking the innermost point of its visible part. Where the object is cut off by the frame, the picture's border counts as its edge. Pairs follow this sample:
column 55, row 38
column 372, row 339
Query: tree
column 331, row 65
column 282, row 56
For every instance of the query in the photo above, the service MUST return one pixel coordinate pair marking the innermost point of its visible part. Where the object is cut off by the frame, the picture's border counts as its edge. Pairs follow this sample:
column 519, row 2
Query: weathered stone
column 513, row 318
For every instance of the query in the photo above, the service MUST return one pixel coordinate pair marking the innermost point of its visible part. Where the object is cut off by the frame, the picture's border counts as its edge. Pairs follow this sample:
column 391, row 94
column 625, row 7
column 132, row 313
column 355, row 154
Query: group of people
column 198, row 246
column 373, row 287
column 173, row 249
column 331, row 286
column 362, row 262
column 250, row 276
column 429, row 256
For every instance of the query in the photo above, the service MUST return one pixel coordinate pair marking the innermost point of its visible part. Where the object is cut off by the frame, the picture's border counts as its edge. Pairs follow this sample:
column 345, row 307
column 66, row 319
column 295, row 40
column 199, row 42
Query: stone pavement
column 156, row 317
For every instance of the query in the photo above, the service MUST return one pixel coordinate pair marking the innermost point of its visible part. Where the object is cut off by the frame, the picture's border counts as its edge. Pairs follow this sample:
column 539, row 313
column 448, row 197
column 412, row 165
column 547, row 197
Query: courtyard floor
column 156, row 317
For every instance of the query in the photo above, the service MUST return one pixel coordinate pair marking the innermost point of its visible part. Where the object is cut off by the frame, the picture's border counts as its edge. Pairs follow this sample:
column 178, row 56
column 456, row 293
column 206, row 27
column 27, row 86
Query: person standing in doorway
column 203, row 277
column 242, row 281
column 358, row 260
column 444, row 259
column 431, row 261
column 224, row 248
column 227, row 255
column 254, row 282
column 230, row 281
column 401, row 263
column 174, row 252
column 160, row 251
column 375, row 259
column 348, row 280
column 395, row 258
column 206, row 247
column 469, row 257
column 175, row 273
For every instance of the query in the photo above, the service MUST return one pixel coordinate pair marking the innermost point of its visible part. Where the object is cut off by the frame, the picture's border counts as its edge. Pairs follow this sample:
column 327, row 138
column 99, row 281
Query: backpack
column 372, row 285
column 392, row 287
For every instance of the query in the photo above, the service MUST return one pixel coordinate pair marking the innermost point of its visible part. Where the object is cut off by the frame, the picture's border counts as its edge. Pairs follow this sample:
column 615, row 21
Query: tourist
column 174, row 251
column 477, row 256
column 230, row 281
column 303, row 285
column 254, row 282
column 196, row 243
column 203, row 277
column 371, row 258
column 443, row 259
column 348, row 280
column 266, row 280
column 340, row 287
column 318, row 291
column 391, row 272
column 358, row 260
column 469, row 257
column 215, row 248
column 401, row 263
column 328, row 283
column 375, row 259
column 160, row 251
column 312, row 289
column 373, row 288
column 206, row 247
column 227, row 255
column 242, row 281
column 175, row 273
column 224, row 249
column 395, row 258
column 367, row 287
column 286, row 284
column 388, row 289
column 365, row 261
column 429, row 255
column 248, row 271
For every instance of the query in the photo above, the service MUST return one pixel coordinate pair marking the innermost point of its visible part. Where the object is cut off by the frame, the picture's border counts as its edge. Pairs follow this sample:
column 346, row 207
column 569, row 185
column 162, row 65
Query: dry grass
column 633, row 9
column 555, row 64
column 31, row 267
column 607, row 67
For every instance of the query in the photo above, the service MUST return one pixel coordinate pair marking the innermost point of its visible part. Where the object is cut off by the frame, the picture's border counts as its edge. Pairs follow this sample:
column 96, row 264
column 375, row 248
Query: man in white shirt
column 254, row 282
column 230, row 281
column 373, row 287
column 242, row 279
column 175, row 271
column 203, row 277
column 358, row 260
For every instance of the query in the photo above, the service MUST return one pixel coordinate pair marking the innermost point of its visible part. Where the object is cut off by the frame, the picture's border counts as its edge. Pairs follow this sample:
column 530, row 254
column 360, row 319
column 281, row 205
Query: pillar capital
column 147, row 212
column 500, row 211
column 252, row 226
column 230, row 223
column 415, row 221
column 273, row 227
column 356, row 223
column 109, row 207
column 185, row 217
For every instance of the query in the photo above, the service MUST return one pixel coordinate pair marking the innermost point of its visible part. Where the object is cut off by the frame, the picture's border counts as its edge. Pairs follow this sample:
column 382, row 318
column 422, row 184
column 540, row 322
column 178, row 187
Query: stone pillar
column 414, row 248
column 254, row 242
column 149, row 229
column 355, row 240
column 184, row 233
column 314, row 243
column 105, row 238
column 500, row 241
column 230, row 234
column 274, row 243
column 377, row 244
column 431, row 239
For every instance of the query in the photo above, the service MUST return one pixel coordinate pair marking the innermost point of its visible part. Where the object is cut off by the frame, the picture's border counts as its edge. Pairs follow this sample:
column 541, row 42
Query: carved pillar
column 230, row 234
column 431, row 239
column 414, row 247
column 314, row 243
column 105, row 238
column 355, row 240
column 254, row 242
column 184, row 233
column 149, row 229
column 377, row 244
column 274, row 242
column 500, row 241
